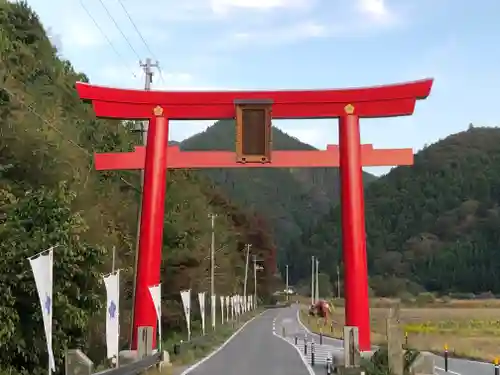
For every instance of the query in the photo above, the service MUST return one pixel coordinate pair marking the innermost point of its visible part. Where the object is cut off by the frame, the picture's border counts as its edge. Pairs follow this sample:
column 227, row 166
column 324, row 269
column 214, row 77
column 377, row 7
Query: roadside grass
column 470, row 329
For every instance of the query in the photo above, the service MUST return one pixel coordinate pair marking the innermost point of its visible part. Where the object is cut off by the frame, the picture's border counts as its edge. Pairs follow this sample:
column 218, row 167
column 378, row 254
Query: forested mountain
column 435, row 225
column 291, row 200
column 50, row 194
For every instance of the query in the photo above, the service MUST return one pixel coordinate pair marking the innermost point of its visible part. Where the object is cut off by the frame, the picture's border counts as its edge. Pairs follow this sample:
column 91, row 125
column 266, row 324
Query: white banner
column 231, row 300
column 222, row 299
column 233, row 306
column 155, row 292
column 186, row 303
column 112, row 283
column 212, row 310
column 228, row 307
column 201, row 300
column 42, row 267
column 238, row 305
column 244, row 304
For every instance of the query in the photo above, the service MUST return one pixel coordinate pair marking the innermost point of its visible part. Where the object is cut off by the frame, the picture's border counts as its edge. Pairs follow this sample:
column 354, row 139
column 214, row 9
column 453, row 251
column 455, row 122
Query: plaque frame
column 262, row 105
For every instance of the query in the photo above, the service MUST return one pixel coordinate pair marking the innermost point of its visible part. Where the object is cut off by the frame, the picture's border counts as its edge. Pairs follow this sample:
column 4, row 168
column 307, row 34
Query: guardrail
column 77, row 363
column 134, row 368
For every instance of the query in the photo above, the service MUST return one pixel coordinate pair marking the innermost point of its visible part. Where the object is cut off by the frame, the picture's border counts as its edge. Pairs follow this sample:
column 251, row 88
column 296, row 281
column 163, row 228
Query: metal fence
column 77, row 363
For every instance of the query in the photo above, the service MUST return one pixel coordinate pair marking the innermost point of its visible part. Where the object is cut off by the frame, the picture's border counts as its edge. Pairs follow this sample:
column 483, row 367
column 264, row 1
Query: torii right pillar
column 357, row 305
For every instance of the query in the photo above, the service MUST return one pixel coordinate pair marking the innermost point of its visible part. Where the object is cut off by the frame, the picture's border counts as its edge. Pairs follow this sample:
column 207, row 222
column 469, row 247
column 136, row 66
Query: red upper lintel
column 379, row 101
column 407, row 90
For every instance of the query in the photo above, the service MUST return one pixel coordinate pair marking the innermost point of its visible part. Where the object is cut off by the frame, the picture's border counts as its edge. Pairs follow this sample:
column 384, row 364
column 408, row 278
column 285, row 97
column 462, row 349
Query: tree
column 33, row 221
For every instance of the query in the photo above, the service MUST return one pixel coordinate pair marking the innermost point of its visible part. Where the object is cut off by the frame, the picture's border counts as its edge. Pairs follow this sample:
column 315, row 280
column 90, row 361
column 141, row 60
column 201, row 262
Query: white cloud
column 377, row 11
column 283, row 34
column 224, row 6
column 333, row 20
column 373, row 7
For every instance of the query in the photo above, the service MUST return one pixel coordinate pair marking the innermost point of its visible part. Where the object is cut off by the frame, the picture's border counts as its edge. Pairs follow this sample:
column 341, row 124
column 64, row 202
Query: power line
column 119, row 29
column 142, row 38
column 137, row 29
column 105, row 36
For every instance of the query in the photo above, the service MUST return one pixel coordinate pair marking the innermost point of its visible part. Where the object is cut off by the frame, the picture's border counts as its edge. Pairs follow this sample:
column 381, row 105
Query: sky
column 296, row 44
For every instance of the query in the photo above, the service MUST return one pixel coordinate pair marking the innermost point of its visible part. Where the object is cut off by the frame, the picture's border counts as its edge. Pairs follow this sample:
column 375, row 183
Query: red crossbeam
column 379, row 101
column 177, row 159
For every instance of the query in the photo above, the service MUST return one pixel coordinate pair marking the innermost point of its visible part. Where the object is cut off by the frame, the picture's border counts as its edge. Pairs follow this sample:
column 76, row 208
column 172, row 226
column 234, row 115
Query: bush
column 486, row 295
column 406, row 298
column 425, row 299
column 378, row 364
column 446, row 299
column 462, row 295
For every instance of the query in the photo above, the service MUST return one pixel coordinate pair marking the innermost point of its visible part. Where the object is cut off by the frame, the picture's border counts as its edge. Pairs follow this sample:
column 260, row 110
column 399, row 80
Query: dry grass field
column 470, row 328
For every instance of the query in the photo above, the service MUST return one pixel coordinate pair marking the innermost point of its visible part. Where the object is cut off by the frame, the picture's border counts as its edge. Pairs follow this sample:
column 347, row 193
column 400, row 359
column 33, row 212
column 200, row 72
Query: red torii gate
column 347, row 104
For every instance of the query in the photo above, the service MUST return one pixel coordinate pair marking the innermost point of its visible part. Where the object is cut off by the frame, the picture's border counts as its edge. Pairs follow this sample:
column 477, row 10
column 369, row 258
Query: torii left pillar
column 357, row 308
column 153, row 212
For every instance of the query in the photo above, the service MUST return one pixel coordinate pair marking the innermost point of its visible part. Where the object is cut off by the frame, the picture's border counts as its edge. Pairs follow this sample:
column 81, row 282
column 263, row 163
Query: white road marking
column 442, row 369
column 435, row 367
column 197, row 364
column 308, row 367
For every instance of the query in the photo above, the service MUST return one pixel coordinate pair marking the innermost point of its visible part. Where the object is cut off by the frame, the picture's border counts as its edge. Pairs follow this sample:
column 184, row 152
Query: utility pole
column 148, row 80
column 254, row 259
column 287, row 282
column 248, row 246
column 212, row 270
column 338, row 281
column 317, row 279
column 148, row 73
column 312, row 280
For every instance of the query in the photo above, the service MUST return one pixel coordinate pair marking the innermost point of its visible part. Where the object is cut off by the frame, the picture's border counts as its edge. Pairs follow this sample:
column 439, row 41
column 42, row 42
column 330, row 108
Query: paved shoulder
column 291, row 319
column 314, row 350
column 458, row 366
column 254, row 350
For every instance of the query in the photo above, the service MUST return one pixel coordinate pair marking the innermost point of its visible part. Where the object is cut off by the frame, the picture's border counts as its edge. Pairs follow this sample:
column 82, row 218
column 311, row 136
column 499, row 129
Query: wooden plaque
column 253, row 132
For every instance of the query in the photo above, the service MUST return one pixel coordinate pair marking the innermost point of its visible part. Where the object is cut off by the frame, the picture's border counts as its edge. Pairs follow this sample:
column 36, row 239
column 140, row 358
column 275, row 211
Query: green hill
column 291, row 200
column 50, row 194
column 434, row 225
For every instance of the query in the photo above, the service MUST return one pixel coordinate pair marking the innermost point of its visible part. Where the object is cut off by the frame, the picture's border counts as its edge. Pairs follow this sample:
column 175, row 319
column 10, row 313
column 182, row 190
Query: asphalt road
column 256, row 349
column 266, row 346
column 288, row 325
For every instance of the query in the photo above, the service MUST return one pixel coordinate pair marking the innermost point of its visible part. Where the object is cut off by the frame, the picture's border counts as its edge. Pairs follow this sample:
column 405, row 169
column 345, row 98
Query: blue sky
column 266, row 44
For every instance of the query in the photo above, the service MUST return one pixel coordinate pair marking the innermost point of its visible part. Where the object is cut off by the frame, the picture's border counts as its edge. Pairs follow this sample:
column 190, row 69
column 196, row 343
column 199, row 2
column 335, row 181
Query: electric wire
column 120, row 30
column 142, row 38
column 120, row 56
